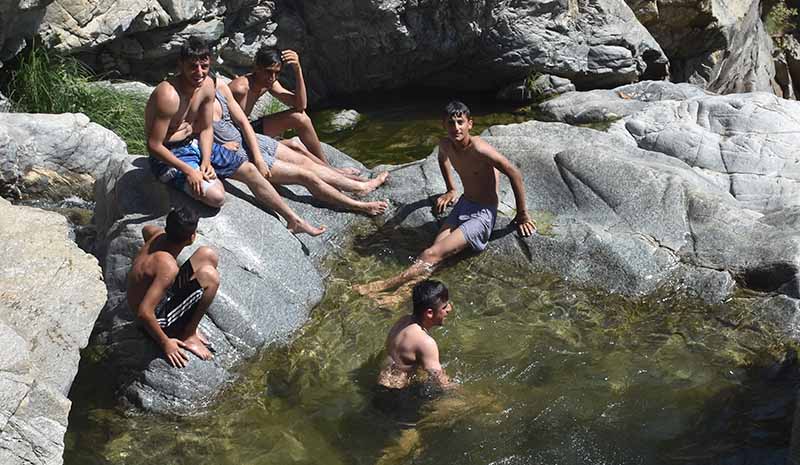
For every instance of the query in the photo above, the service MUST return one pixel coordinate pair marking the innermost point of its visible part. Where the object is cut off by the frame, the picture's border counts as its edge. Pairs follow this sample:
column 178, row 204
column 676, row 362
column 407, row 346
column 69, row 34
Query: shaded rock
column 19, row 20
column 53, row 156
column 270, row 280
column 344, row 120
column 721, row 46
column 543, row 87
column 602, row 105
column 790, row 48
column 5, row 104
column 378, row 44
column 51, row 294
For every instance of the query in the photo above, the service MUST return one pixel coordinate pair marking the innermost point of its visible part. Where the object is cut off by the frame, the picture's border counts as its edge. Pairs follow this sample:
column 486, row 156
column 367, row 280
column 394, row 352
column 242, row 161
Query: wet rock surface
column 51, row 295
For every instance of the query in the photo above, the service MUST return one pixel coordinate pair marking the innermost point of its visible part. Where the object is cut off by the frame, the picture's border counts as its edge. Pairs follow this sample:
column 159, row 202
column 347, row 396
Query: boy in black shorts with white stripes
column 170, row 300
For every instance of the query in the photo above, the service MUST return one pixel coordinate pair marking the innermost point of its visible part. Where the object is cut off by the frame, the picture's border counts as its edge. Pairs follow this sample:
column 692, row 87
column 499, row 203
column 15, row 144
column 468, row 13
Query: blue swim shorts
column 225, row 162
column 475, row 221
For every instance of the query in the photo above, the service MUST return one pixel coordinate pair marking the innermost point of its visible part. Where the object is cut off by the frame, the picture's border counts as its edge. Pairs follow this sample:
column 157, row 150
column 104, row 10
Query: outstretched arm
column 449, row 197
column 525, row 224
column 147, row 315
column 249, row 135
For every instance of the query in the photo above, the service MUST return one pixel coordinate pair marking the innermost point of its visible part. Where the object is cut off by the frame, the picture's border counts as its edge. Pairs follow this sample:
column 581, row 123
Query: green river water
column 549, row 374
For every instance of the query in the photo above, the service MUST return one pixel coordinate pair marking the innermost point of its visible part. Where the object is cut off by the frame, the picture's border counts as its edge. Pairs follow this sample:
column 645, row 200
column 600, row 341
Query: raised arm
column 205, row 129
column 449, row 197
column 147, row 314
column 525, row 224
column 161, row 107
column 298, row 99
column 249, row 135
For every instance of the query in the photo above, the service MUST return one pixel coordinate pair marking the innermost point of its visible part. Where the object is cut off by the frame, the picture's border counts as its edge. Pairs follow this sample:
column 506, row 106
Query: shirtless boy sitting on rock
column 249, row 88
column 180, row 140
column 170, row 300
column 473, row 217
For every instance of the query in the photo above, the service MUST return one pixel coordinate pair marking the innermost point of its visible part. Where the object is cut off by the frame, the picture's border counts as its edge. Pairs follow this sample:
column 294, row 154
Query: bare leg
column 296, row 144
column 204, row 262
column 286, row 173
column 449, row 241
column 267, row 195
column 213, row 193
column 328, row 174
column 276, row 123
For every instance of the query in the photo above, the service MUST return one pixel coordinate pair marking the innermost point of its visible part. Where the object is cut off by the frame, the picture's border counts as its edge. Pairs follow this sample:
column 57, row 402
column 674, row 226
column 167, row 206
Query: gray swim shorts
column 475, row 221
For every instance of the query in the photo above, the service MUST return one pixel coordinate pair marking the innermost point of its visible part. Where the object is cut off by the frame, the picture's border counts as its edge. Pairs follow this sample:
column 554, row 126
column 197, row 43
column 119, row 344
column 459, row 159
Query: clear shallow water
column 398, row 128
column 549, row 374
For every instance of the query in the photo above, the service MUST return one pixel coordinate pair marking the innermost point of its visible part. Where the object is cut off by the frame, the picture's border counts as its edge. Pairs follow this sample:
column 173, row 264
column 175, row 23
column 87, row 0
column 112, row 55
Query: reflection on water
column 549, row 374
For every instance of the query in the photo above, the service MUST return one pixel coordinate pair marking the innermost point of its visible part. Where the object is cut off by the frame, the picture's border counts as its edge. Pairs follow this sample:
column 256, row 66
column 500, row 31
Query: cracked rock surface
column 50, row 295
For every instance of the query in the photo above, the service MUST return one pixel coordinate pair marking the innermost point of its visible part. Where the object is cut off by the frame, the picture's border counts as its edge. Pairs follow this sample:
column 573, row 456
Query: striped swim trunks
column 181, row 299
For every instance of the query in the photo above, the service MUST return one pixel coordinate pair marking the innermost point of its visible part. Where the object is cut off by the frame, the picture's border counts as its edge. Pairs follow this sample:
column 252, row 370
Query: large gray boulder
column 378, row 44
column 50, row 295
column 719, row 45
column 53, row 156
column 270, row 280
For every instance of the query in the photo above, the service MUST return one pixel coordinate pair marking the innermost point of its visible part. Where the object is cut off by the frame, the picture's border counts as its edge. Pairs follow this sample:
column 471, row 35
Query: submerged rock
column 344, row 120
column 51, row 294
column 53, row 156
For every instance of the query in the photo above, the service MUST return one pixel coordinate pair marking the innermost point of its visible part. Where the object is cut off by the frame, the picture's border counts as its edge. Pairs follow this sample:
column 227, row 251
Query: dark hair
column 428, row 294
column 181, row 224
column 268, row 56
column 456, row 108
column 195, row 48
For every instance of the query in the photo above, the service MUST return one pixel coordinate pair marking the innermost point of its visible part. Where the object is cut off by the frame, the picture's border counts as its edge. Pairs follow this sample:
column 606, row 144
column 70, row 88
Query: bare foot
column 374, row 183
column 198, row 347
column 374, row 208
column 349, row 171
column 201, row 336
column 302, row 227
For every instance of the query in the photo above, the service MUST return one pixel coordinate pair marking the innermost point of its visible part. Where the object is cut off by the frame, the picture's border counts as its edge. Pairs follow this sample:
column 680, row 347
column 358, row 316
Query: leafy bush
column 44, row 82
column 779, row 19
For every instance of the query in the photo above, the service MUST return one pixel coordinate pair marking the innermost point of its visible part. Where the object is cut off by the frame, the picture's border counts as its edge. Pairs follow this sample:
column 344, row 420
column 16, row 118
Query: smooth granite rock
column 348, row 47
column 53, row 156
column 50, row 295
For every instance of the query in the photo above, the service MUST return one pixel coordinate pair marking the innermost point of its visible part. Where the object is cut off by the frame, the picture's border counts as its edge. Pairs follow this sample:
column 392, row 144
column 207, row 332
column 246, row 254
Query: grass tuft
column 45, row 82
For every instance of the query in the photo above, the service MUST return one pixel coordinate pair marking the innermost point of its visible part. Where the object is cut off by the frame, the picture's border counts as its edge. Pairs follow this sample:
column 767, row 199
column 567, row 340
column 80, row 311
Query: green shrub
column 779, row 19
column 44, row 82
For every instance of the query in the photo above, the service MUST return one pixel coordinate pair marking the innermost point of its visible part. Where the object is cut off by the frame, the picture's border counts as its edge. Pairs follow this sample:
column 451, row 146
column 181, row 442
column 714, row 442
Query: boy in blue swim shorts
column 471, row 222
column 180, row 140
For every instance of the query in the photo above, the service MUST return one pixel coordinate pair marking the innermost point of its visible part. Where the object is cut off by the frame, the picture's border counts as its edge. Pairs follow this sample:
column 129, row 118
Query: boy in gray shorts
column 472, row 220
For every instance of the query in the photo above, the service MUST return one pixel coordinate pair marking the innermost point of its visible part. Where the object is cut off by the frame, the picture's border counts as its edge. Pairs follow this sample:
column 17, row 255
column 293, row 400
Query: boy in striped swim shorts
column 471, row 222
column 169, row 300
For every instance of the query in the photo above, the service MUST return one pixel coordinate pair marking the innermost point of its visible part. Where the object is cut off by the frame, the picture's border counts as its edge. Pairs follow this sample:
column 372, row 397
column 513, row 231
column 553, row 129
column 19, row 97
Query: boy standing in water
column 473, row 217
column 409, row 346
column 170, row 300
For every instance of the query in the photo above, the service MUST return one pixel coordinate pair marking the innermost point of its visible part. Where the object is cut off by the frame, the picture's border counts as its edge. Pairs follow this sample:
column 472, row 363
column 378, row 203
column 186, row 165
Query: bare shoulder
column 445, row 146
column 208, row 89
column 485, row 149
column 240, row 85
column 165, row 98
column 164, row 265
column 149, row 231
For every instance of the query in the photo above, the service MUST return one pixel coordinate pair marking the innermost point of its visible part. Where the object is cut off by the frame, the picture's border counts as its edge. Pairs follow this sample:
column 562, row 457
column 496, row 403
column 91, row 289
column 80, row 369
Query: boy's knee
column 430, row 256
column 206, row 256
column 301, row 118
column 214, row 197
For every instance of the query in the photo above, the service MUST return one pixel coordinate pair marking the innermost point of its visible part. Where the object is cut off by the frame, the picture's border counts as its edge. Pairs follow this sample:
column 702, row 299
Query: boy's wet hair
column 195, row 48
column 268, row 56
column 456, row 108
column 181, row 224
column 428, row 294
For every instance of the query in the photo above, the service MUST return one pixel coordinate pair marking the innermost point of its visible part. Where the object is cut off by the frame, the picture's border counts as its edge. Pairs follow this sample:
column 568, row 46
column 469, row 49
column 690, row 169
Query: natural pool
column 549, row 374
